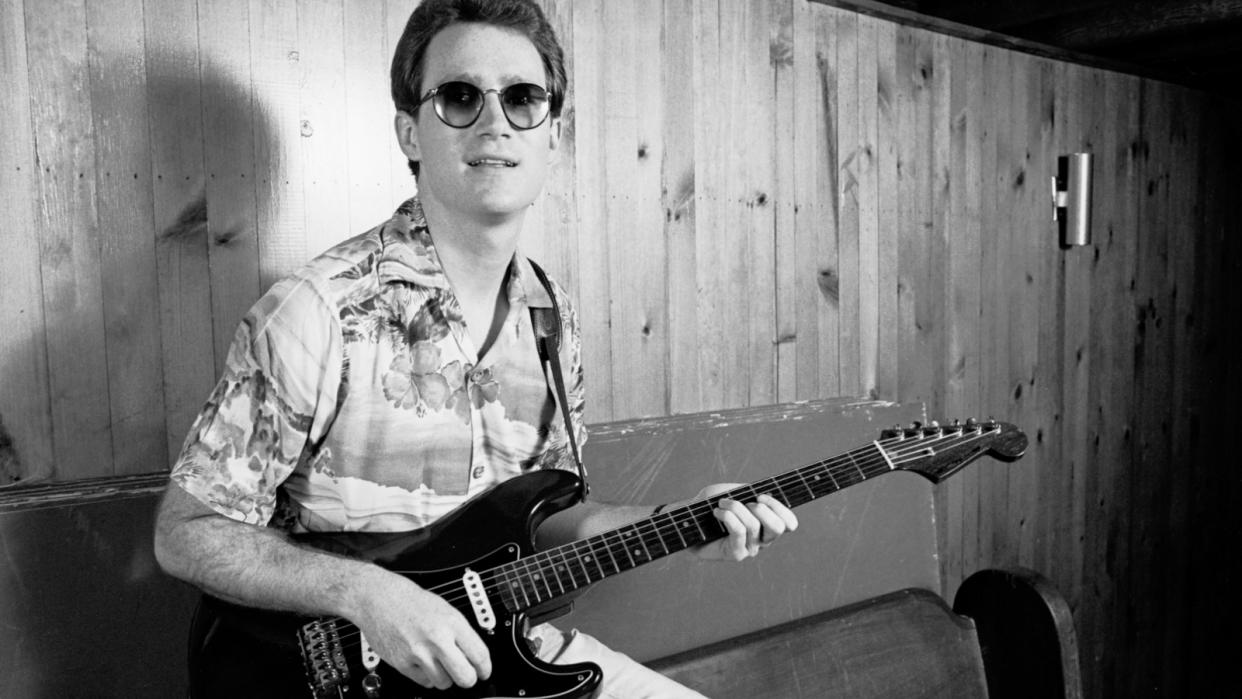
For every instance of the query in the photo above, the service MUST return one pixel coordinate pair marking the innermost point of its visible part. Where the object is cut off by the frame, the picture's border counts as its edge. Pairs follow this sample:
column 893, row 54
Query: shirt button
column 477, row 473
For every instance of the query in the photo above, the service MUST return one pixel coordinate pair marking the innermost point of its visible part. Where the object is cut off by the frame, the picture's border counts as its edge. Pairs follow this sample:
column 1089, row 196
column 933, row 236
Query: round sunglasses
column 458, row 104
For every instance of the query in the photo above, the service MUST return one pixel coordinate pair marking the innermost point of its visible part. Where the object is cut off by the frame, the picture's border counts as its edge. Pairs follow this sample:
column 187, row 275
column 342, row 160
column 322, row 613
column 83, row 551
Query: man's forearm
column 588, row 519
column 253, row 565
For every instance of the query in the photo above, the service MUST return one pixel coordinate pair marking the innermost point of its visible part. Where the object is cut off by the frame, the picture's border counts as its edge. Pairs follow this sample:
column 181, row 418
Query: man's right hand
column 415, row 631
column 419, row 634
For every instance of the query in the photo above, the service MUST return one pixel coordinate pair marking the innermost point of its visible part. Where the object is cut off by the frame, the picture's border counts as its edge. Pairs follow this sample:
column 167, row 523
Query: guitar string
column 900, row 450
column 665, row 523
column 908, row 449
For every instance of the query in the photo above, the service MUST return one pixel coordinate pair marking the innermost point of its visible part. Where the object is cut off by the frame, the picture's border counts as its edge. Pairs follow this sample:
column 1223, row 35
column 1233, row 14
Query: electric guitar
column 481, row 558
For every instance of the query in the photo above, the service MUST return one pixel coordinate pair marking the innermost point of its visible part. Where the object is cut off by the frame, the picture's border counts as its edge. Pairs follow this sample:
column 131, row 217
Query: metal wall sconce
column 1071, row 199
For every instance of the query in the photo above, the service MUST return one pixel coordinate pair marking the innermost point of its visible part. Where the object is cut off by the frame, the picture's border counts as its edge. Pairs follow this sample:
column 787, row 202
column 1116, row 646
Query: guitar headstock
column 937, row 451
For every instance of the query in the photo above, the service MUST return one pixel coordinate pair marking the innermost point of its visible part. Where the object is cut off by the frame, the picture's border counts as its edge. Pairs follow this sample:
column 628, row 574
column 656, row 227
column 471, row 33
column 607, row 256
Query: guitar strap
column 547, row 325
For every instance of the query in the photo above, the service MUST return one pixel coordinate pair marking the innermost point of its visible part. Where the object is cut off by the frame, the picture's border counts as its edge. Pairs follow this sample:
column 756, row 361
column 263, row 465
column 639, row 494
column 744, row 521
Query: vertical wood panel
column 1022, row 301
column 60, row 110
column 1011, row 168
column 963, row 258
column 1149, row 545
column 867, row 196
column 280, row 181
column 996, row 164
column 127, row 234
column 886, row 204
column 1188, row 349
column 784, row 196
column 1214, row 482
column 632, row 119
column 558, row 210
column 229, row 147
column 722, row 251
column 179, row 212
column 932, row 308
column 368, row 129
column 916, row 68
column 396, row 14
column 1082, row 132
column 1045, row 372
column 680, row 196
column 849, row 153
column 322, row 124
column 1112, row 345
column 754, row 196
column 814, row 233
column 25, row 403
column 590, row 78
column 817, row 231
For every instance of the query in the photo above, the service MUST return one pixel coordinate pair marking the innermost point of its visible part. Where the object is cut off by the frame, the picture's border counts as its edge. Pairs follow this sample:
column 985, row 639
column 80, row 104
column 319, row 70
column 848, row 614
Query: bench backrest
column 903, row 644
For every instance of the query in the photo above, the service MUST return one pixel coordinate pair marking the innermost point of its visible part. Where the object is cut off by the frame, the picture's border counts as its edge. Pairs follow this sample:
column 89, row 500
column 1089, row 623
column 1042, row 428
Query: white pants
column 623, row 677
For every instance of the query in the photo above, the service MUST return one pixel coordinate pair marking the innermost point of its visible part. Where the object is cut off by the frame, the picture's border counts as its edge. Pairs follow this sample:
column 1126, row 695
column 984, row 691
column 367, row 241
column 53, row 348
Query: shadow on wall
column 86, row 612
column 10, row 466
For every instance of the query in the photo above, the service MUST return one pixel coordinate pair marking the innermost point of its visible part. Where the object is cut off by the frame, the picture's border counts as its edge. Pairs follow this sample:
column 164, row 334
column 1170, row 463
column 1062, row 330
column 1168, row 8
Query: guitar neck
column 550, row 574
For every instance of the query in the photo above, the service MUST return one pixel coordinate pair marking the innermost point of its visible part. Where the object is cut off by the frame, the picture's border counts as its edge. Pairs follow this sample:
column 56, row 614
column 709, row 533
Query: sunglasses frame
column 500, row 92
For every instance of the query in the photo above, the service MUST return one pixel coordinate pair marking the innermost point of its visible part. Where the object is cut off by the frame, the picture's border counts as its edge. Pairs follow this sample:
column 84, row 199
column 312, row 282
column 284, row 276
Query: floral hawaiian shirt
column 354, row 399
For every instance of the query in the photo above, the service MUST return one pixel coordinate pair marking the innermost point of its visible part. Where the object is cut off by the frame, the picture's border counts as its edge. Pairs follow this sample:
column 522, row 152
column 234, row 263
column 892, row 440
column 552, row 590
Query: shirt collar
column 408, row 255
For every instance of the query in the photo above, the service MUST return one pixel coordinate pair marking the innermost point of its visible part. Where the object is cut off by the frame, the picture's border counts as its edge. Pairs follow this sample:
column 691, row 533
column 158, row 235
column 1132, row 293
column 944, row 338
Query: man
column 395, row 376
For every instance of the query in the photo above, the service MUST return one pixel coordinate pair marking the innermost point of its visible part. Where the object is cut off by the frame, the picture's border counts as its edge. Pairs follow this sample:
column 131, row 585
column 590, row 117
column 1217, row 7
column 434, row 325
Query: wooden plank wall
column 755, row 202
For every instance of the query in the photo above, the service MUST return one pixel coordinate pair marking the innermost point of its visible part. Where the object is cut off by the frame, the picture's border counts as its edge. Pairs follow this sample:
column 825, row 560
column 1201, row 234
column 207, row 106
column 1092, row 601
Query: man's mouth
column 491, row 162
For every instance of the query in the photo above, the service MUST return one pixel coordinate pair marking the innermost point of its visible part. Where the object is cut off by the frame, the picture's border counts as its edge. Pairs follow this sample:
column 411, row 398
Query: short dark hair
column 432, row 16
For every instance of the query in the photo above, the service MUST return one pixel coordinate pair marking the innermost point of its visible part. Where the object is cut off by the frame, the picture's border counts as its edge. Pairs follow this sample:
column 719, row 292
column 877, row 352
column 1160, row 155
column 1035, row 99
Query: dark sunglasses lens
column 458, row 103
column 525, row 104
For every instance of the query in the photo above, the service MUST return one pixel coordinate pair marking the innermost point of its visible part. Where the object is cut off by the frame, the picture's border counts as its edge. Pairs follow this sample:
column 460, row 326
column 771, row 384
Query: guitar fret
column 592, row 556
column 526, row 584
column 656, row 538
column 624, row 548
column 511, row 585
column 642, row 541
column 778, row 492
column 702, row 534
column 805, row 486
column 817, row 480
column 575, row 575
column 676, row 528
column 586, row 574
column 556, row 572
column 540, row 575
column 862, row 475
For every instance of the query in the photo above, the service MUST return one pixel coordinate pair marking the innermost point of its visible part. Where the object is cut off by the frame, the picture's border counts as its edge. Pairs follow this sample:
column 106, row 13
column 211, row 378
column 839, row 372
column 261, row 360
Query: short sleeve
column 271, row 406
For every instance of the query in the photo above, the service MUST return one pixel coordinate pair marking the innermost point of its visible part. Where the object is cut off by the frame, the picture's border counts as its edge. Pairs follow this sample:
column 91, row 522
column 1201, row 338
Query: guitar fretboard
column 550, row 574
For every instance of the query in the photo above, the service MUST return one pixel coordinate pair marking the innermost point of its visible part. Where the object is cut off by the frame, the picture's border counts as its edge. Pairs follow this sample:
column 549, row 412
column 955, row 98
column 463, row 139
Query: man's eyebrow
column 477, row 80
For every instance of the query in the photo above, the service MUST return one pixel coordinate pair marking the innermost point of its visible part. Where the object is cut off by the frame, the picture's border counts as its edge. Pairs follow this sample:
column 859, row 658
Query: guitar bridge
column 326, row 669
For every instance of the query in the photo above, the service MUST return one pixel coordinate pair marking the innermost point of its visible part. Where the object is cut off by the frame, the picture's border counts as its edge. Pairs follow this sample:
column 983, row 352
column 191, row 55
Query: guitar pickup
column 479, row 603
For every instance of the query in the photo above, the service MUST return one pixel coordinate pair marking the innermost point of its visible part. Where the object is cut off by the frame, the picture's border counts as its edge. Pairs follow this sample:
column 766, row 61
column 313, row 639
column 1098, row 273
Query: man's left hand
column 748, row 527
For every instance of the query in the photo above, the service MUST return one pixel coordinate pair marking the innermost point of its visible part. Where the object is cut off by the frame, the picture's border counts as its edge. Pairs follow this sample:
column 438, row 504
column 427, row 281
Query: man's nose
column 492, row 119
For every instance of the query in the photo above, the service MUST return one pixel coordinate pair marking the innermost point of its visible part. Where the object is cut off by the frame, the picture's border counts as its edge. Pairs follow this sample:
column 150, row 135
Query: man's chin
column 488, row 206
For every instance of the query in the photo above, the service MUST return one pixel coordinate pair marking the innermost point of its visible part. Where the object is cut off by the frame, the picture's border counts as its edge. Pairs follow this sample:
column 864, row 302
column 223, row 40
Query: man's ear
column 554, row 135
column 407, row 135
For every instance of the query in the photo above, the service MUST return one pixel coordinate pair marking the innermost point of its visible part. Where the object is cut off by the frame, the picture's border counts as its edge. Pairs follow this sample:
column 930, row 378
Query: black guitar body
column 241, row 652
